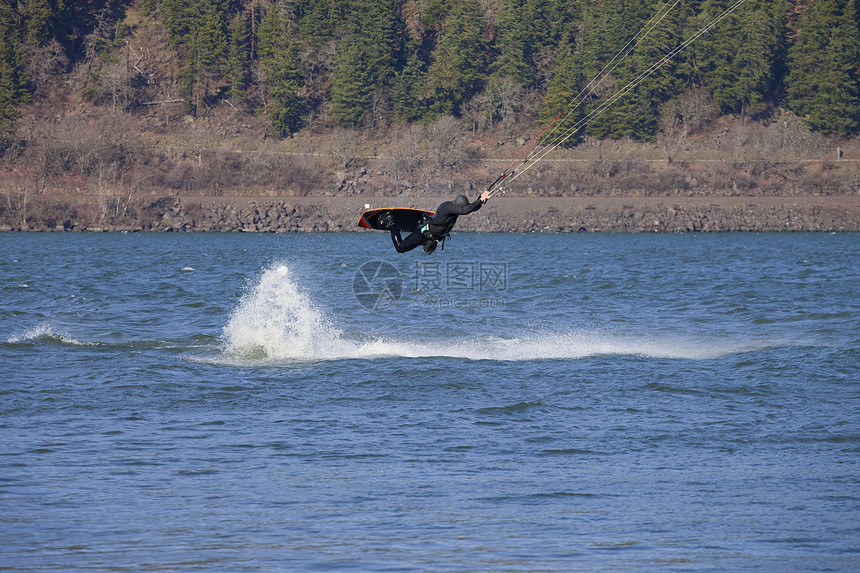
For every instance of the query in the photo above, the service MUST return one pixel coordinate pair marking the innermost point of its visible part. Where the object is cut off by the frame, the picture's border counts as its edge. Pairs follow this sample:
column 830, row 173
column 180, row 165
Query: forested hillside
column 97, row 95
column 360, row 62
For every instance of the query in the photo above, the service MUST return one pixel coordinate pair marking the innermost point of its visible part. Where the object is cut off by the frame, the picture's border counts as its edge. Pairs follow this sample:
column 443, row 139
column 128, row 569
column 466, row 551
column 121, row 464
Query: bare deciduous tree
column 343, row 147
column 688, row 113
column 475, row 114
column 115, row 79
column 149, row 52
column 44, row 63
column 380, row 111
column 446, row 140
column 106, row 182
column 18, row 198
column 504, row 100
column 406, row 152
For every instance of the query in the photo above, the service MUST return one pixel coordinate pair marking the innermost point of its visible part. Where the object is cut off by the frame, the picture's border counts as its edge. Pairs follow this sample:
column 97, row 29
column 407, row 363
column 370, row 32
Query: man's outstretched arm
column 452, row 209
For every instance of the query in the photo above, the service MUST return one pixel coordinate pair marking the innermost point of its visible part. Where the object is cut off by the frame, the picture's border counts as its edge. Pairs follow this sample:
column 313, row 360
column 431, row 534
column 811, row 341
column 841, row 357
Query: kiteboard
column 407, row 220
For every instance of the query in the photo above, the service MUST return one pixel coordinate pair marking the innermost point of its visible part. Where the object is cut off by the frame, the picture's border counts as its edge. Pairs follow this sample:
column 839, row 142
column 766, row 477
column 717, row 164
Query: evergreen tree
column 374, row 25
column 278, row 53
column 408, row 97
column 434, row 13
column 658, row 40
column 553, row 19
column 178, row 16
column 318, row 19
column 528, row 30
column 351, row 86
column 456, row 72
column 66, row 21
column 545, row 25
column 591, row 51
column 738, row 56
column 236, row 65
column 756, row 62
column 192, row 20
column 632, row 115
column 199, row 29
column 622, row 20
column 656, row 35
column 38, row 15
column 288, row 107
column 13, row 83
column 688, row 65
column 211, row 44
column 515, row 41
column 589, row 60
column 366, row 58
column 561, row 99
column 632, row 112
column 823, row 81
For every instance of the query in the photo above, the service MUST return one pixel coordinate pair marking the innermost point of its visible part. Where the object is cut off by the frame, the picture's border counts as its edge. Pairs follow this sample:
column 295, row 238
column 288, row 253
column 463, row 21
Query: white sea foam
column 550, row 346
column 46, row 332
column 277, row 322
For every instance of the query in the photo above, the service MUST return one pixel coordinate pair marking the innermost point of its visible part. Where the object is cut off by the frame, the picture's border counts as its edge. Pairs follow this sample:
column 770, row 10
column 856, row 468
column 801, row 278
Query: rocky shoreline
column 502, row 214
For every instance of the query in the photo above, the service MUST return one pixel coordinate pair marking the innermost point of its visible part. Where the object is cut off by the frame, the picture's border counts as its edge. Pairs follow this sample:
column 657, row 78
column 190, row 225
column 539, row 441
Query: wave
column 275, row 322
column 50, row 335
column 46, row 333
column 522, row 348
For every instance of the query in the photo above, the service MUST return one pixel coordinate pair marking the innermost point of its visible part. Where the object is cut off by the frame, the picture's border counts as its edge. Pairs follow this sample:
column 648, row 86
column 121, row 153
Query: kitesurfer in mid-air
column 434, row 231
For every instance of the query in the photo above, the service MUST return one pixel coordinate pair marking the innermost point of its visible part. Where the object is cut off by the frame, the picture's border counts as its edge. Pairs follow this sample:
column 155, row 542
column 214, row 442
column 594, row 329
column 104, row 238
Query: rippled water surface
column 514, row 402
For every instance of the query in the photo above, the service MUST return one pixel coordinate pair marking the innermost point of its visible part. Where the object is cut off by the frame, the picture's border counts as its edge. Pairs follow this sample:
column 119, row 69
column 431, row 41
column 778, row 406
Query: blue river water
column 521, row 402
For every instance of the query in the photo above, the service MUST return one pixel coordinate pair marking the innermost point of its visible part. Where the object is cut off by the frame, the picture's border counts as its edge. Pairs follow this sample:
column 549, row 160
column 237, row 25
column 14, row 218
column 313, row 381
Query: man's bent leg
column 407, row 244
column 395, row 236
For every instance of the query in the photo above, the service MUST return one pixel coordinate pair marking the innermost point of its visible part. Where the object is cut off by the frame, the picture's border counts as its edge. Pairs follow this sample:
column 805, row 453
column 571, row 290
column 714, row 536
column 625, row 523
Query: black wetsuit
column 436, row 229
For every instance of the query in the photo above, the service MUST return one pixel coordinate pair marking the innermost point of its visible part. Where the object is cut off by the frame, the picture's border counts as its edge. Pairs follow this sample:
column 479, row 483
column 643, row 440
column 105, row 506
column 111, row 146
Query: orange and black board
column 407, row 220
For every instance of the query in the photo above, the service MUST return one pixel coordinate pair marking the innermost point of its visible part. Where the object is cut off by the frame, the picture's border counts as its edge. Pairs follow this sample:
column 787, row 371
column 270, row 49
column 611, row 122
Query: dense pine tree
column 589, row 60
column 458, row 61
column 13, row 84
column 592, row 50
column 318, row 19
column 210, row 46
column 351, row 86
column 198, row 29
column 562, row 103
column 738, row 57
column 178, row 16
column 515, row 41
column 238, row 59
column 632, row 113
column 527, row 34
column 365, row 61
column 823, row 82
column 658, row 40
column 408, row 98
column 38, row 17
column 278, row 52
